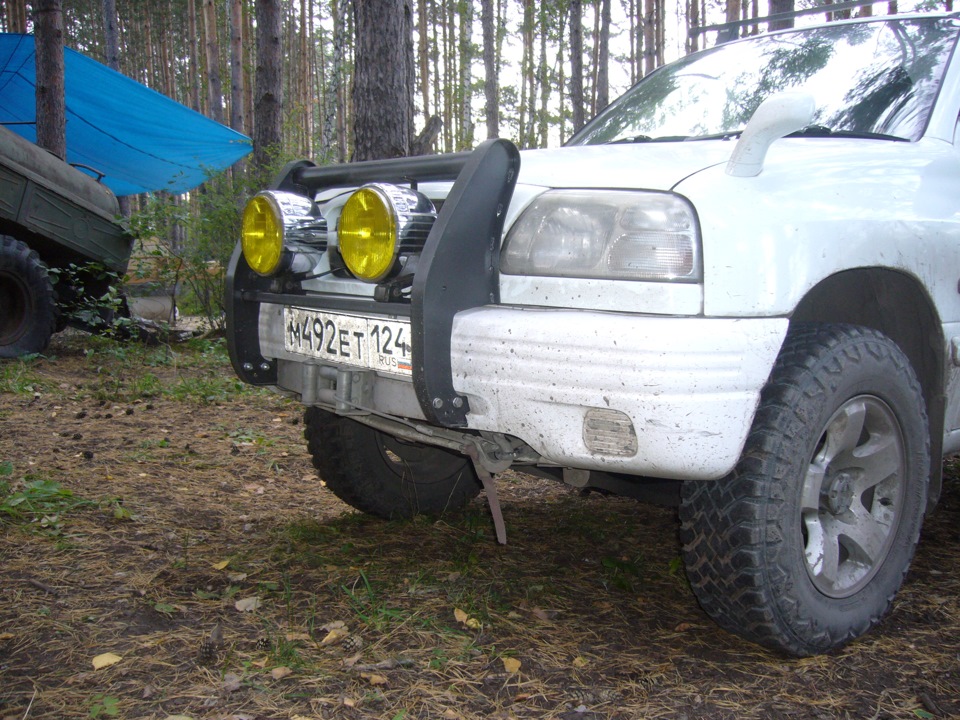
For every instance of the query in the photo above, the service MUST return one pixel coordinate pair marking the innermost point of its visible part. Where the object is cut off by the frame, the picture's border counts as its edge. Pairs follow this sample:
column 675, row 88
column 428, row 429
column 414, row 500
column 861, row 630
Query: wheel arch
column 896, row 304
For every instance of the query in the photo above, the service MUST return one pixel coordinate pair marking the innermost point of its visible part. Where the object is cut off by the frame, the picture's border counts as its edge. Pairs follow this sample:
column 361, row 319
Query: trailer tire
column 28, row 300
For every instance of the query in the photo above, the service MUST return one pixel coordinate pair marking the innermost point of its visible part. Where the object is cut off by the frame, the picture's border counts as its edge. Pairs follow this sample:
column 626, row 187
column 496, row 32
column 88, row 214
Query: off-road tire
column 382, row 476
column 781, row 567
column 28, row 303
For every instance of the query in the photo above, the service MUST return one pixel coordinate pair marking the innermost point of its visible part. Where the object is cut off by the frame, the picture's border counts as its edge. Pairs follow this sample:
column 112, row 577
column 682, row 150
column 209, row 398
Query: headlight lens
column 262, row 234
column 605, row 234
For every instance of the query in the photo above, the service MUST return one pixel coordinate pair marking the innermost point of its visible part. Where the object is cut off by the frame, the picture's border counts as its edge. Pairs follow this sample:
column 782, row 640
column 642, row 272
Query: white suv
column 740, row 280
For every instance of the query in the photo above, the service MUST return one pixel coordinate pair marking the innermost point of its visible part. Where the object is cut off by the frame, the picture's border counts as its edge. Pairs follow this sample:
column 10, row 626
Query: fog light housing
column 262, row 234
column 374, row 223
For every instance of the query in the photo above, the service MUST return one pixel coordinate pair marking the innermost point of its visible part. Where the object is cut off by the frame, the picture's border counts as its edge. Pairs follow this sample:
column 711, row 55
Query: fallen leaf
column 451, row 715
column 178, row 717
column 295, row 636
column 511, row 665
column 334, row 625
column 279, row 673
column 684, row 627
column 231, row 682
column 236, row 577
column 247, row 604
column 545, row 615
column 334, row 636
column 220, row 565
column 465, row 619
column 580, row 662
column 105, row 660
column 351, row 661
column 374, row 678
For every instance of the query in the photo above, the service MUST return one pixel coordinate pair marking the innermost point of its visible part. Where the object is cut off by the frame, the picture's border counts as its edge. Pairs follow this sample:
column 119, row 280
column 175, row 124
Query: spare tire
column 28, row 300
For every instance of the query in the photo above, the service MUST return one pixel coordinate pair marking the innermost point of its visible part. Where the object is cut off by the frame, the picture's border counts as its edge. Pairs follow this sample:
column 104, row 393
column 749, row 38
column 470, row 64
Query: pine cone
column 212, row 645
column 351, row 643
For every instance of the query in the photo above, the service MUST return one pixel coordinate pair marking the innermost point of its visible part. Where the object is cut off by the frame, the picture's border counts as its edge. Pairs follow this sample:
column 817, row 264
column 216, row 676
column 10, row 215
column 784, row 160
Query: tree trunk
column 16, row 16
column 603, row 58
column 693, row 21
column 51, row 106
column 491, row 80
column 527, row 94
column 576, row 64
column 780, row 6
column 382, row 95
column 235, row 11
column 111, row 41
column 649, row 36
column 269, row 90
column 194, row 53
column 466, row 77
column 423, row 56
column 211, row 41
column 543, row 79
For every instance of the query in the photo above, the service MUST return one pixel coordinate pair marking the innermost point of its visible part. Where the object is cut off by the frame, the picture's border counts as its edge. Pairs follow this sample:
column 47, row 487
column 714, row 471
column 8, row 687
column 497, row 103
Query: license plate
column 366, row 342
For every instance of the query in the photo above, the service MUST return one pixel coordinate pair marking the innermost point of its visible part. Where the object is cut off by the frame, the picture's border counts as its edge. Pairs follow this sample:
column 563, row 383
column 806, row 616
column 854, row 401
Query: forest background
column 341, row 80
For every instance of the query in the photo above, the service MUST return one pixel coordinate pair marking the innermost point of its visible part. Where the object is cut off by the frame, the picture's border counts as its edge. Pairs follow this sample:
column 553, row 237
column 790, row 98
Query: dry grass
column 188, row 497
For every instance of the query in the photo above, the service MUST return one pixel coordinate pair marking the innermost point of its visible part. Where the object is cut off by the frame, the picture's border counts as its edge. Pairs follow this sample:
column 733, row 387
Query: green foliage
column 19, row 377
column 186, row 243
column 40, row 498
column 43, row 503
column 91, row 296
column 104, row 706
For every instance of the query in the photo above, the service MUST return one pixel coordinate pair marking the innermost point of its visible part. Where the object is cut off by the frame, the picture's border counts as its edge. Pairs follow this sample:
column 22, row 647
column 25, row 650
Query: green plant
column 621, row 572
column 104, row 706
column 19, row 377
column 42, row 500
column 371, row 610
column 91, row 296
column 187, row 245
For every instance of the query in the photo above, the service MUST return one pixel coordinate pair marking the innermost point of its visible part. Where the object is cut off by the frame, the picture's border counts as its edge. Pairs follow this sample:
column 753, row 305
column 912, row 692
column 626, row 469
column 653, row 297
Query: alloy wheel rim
column 852, row 497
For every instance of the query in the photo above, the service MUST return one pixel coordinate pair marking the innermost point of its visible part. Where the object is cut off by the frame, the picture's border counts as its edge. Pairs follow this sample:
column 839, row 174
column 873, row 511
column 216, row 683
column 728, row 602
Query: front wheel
column 804, row 545
column 28, row 308
column 383, row 476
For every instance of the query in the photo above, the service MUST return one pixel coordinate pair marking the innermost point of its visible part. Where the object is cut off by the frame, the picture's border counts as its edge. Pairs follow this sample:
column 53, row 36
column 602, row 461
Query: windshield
column 876, row 77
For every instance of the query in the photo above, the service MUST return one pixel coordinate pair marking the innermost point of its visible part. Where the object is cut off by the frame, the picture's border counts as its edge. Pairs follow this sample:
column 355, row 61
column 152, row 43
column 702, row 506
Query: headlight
column 271, row 220
column 614, row 234
column 374, row 223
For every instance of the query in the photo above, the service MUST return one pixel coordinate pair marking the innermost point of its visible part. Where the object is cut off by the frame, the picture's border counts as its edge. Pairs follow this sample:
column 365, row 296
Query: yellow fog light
column 368, row 234
column 262, row 235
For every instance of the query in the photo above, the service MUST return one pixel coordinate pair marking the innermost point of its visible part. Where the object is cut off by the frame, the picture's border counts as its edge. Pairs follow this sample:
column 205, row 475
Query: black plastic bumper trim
column 458, row 270
column 243, row 323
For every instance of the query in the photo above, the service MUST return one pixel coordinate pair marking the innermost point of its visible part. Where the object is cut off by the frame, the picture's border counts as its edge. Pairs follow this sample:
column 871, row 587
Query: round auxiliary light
column 368, row 234
column 262, row 235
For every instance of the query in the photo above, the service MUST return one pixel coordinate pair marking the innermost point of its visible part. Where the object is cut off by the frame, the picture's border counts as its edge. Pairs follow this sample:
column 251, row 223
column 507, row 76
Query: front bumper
column 655, row 396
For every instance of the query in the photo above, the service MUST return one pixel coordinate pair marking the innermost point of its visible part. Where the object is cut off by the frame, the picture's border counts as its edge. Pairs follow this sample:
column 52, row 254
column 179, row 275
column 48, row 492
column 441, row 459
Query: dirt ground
column 167, row 551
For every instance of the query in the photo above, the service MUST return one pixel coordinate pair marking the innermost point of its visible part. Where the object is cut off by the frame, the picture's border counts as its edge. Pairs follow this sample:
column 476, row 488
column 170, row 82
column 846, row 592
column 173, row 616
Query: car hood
column 655, row 166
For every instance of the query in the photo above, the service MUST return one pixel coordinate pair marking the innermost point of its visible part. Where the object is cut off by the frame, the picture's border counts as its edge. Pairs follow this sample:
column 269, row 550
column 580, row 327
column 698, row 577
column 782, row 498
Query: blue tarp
column 139, row 139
